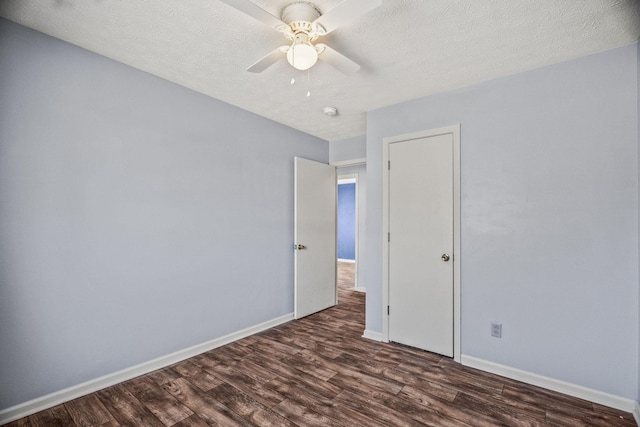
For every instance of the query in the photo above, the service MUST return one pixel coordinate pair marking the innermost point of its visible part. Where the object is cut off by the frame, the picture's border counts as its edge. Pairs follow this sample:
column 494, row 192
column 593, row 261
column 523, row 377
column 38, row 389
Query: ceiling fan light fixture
column 302, row 23
column 302, row 55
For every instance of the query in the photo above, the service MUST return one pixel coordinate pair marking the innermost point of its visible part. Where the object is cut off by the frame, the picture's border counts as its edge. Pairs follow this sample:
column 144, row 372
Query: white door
column 421, row 243
column 315, row 237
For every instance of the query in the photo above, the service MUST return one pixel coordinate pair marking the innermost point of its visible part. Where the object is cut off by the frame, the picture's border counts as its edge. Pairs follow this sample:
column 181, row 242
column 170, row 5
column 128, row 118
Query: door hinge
column 388, row 311
column 389, row 165
column 388, row 237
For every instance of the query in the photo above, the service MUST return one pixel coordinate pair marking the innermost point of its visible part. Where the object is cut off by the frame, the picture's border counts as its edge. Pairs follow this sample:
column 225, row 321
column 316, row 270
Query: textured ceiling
column 407, row 48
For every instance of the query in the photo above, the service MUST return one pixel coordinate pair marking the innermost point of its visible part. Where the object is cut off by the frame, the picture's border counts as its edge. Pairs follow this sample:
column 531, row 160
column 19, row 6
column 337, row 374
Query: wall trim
column 371, row 335
column 361, row 289
column 636, row 413
column 56, row 398
column 351, row 178
column 553, row 384
column 352, row 162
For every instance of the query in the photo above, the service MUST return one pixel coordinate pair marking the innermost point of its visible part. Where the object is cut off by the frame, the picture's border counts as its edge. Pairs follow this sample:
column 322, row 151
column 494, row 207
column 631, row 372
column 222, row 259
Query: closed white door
column 421, row 243
column 315, row 237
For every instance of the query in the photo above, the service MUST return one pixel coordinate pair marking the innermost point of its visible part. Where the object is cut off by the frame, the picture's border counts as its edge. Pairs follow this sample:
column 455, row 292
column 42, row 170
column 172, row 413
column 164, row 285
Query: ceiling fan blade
column 255, row 12
column 336, row 59
column 346, row 11
column 267, row 61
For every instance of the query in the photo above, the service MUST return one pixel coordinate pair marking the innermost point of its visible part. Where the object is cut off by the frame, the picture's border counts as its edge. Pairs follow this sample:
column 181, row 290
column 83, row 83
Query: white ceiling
column 407, row 48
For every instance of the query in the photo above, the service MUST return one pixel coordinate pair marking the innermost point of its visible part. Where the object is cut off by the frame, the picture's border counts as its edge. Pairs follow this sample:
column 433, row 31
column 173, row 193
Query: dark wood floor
column 318, row 371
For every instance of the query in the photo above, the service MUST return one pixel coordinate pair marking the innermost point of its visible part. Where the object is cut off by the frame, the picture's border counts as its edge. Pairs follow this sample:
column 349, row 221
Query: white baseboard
column 602, row 398
column 375, row 336
column 361, row 289
column 350, row 261
column 50, row 400
column 636, row 413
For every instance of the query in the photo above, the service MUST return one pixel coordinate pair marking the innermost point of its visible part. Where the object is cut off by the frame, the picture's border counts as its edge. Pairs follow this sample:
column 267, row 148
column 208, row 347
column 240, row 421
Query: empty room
column 169, row 214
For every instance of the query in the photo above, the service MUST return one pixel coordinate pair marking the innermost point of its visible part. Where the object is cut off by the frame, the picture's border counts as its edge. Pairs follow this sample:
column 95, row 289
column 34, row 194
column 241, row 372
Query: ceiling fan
column 302, row 23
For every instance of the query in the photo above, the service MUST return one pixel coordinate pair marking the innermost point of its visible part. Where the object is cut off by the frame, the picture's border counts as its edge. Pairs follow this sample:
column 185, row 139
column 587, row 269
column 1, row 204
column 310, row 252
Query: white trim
column 351, row 178
column 371, row 335
column 56, row 398
column 361, row 289
column 346, row 163
column 553, row 384
column 455, row 132
column 350, row 261
column 636, row 413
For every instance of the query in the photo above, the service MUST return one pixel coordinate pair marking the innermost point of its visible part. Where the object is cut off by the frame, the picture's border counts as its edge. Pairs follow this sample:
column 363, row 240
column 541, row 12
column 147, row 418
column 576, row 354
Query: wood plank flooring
column 318, row 371
column 346, row 276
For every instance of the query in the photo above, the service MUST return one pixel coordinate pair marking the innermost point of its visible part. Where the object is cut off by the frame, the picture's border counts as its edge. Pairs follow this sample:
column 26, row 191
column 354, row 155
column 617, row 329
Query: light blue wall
column 549, row 233
column 137, row 218
column 347, row 221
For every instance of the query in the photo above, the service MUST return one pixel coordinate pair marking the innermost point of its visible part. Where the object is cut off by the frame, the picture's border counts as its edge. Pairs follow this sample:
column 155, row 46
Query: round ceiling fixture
column 330, row 111
column 302, row 55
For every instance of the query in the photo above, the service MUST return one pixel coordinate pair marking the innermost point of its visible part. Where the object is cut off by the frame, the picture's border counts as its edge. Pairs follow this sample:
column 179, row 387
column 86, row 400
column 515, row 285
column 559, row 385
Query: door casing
column 455, row 132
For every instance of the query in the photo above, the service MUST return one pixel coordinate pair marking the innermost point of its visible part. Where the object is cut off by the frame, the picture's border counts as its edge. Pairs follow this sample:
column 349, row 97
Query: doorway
column 421, row 260
column 355, row 171
column 347, row 231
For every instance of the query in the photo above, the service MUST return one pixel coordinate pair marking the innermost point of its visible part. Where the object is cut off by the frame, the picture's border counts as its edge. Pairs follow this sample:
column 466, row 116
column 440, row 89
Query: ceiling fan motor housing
column 300, row 16
column 300, row 11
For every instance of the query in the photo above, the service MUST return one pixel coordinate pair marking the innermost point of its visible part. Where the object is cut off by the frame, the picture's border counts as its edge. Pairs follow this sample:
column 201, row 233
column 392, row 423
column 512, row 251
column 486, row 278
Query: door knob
column 445, row 257
column 299, row 247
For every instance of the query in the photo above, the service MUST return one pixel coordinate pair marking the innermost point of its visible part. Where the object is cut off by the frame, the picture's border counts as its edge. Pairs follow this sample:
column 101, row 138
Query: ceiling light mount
column 302, row 31
column 300, row 16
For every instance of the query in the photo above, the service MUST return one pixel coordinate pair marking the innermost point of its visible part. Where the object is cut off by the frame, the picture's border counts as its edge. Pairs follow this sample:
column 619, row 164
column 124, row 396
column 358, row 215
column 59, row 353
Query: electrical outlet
column 496, row 330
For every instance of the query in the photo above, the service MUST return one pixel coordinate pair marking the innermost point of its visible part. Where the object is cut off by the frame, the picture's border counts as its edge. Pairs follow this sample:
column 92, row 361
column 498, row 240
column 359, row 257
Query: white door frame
column 352, row 178
column 455, row 132
column 347, row 163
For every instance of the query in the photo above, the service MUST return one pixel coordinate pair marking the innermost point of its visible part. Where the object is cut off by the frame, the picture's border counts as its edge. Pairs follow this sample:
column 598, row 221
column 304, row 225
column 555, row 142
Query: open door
column 315, row 237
